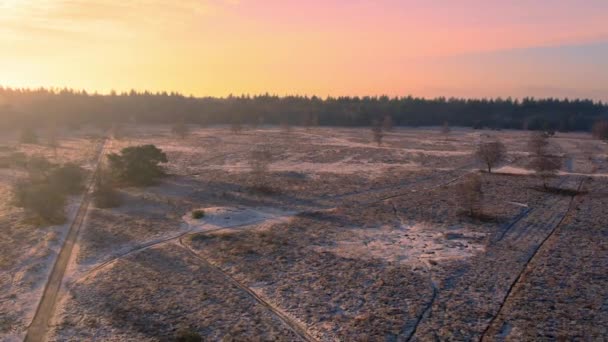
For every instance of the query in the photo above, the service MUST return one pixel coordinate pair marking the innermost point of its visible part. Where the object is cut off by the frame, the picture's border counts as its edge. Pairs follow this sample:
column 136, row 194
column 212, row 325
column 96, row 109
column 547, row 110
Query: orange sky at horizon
column 470, row 48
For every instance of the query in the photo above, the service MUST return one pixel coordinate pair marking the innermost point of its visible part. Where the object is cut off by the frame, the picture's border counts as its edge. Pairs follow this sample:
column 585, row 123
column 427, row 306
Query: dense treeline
column 44, row 106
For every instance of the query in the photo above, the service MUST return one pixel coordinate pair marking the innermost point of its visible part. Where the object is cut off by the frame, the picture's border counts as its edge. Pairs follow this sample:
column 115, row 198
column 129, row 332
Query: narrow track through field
column 297, row 327
column 527, row 265
column 38, row 328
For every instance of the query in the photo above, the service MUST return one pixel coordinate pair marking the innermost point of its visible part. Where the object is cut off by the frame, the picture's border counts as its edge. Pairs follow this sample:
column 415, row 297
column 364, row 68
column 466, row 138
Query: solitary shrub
column 470, row 195
column 312, row 120
column 43, row 194
column 137, row 165
column 180, row 129
column 236, row 127
column 38, row 165
column 286, row 127
column 188, row 335
column 28, row 136
column 377, row 132
column 53, row 137
column 600, row 130
column 491, row 153
column 198, row 214
column 445, row 128
column 387, row 123
column 41, row 200
column 119, row 131
column 259, row 162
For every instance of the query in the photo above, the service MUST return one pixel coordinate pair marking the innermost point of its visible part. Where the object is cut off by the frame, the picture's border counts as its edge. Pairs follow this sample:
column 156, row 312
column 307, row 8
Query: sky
column 464, row 48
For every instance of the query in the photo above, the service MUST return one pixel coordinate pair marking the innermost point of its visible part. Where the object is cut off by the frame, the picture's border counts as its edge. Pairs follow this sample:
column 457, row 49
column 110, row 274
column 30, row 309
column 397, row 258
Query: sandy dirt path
column 46, row 308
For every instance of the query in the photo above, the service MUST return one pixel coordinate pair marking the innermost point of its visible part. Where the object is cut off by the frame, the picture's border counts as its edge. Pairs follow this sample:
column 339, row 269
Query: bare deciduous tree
column 543, row 163
column 377, row 132
column 180, row 129
column 387, row 123
column 236, row 127
column 286, row 127
column 600, row 130
column 312, row 120
column 470, row 192
column 445, row 128
column 28, row 136
column 119, row 131
column 259, row 163
column 53, row 137
column 491, row 153
column 538, row 143
column 546, row 166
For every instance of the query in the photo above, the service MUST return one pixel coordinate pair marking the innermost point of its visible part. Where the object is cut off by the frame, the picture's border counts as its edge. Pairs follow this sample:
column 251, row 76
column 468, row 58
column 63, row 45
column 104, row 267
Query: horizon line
column 113, row 92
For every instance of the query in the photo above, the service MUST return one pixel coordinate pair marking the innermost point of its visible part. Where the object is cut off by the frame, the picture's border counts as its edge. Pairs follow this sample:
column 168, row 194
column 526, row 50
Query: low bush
column 198, row 214
column 137, row 165
column 44, row 193
column 41, row 200
column 263, row 189
column 38, row 165
column 188, row 336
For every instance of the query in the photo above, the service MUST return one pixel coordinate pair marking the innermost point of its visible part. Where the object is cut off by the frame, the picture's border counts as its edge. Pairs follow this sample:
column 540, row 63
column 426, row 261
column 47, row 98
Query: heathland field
column 323, row 234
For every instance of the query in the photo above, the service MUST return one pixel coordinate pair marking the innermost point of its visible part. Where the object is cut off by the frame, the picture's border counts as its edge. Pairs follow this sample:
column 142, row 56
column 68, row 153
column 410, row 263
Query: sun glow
column 218, row 47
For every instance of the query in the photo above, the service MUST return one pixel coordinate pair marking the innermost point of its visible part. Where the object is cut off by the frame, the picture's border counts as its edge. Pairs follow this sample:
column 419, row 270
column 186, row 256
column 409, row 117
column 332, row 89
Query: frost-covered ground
column 354, row 241
column 27, row 251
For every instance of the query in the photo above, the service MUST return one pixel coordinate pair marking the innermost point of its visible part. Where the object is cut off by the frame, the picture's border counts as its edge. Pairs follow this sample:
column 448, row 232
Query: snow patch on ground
column 411, row 244
column 29, row 276
column 345, row 166
column 513, row 170
column 228, row 217
column 522, row 171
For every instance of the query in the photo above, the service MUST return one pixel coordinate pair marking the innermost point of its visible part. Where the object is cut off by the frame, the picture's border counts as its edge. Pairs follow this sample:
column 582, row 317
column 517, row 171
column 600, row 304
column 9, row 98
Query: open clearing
column 353, row 242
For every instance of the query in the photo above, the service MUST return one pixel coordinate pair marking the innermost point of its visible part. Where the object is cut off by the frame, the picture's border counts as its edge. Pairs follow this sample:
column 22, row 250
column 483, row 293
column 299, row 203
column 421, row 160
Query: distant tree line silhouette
column 36, row 107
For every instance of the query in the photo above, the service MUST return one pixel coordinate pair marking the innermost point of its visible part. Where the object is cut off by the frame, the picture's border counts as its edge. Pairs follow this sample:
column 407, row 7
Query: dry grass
column 353, row 265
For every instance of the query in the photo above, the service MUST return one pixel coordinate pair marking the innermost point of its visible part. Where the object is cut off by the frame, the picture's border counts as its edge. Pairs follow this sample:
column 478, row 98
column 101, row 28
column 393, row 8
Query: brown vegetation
column 491, row 153
column 377, row 133
column 259, row 162
column 600, row 130
column 180, row 129
column 543, row 163
column 470, row 194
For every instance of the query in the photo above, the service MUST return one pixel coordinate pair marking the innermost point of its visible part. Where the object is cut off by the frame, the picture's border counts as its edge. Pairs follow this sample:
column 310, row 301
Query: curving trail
column 46, row 307
column 154, row 243
column 297, row 327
